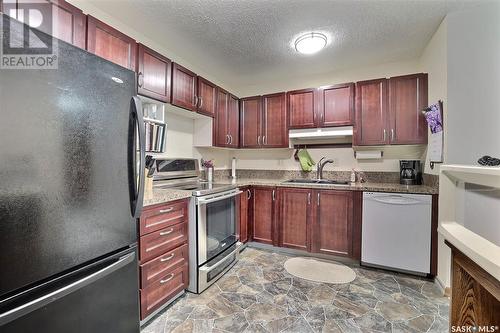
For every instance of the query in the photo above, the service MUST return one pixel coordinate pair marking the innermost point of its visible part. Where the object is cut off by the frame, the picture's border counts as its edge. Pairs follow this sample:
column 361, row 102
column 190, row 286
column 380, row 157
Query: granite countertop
column 165, row 195
column 371, row 187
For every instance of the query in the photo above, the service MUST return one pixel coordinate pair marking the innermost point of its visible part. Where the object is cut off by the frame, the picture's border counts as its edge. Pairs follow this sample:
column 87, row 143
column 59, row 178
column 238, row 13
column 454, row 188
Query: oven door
column 217, row 223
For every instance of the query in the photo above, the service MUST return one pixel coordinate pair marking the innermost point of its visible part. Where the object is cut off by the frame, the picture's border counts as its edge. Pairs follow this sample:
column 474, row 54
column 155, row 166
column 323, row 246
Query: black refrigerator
column 71, row 171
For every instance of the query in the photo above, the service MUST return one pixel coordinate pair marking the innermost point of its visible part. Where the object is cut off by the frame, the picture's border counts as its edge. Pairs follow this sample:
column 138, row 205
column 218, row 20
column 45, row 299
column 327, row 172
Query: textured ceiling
column 247, row 42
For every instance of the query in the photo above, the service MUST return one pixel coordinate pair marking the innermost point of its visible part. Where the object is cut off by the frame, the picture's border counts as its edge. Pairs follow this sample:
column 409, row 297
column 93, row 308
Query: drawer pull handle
column 167, row 279
column 223, row 244
column 167, row 258
column 168, row 210
column 168, row 232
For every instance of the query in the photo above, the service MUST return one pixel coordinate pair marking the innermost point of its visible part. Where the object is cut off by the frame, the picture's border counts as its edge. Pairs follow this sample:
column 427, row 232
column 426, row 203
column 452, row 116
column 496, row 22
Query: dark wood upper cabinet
column 295, row 226
column 109, row 43
column 274, row 133
column 233, row 121
column 332, row 229
column 184, row 86
column 302, row 106
column 207, row 97
column 336, row 105
column 264, row 215
column 371, row 113
column 68, row 21
column 250, row 122
column 222, row 138
column 153, row 74
column 407, row 99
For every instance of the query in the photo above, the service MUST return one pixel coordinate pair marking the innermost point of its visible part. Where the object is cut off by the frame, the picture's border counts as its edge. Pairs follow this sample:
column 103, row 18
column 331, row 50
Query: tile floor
column 258, row 295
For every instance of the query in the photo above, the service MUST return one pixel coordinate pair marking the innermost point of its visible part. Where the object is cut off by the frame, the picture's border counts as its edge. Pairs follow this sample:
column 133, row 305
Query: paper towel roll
column 368, row 155
column 233, row 168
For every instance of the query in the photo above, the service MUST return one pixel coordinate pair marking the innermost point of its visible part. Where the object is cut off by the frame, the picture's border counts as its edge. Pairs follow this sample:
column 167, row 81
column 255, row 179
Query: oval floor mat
column 319, row 270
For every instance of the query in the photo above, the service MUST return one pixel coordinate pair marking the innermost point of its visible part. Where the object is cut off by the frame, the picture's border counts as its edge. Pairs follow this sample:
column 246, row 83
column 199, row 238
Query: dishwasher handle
column 394, row 199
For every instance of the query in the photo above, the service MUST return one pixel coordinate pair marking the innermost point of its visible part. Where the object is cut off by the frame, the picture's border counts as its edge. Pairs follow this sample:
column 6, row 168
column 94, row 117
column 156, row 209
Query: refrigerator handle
column 53, row 296
column 137, row 115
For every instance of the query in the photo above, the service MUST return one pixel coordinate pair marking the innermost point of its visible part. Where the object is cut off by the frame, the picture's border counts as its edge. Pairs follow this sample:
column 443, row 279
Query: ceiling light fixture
column 310, row 43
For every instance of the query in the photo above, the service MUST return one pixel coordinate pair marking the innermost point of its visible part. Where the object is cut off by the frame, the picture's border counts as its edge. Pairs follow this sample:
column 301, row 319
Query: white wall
column 434, row 62
column 474, row 84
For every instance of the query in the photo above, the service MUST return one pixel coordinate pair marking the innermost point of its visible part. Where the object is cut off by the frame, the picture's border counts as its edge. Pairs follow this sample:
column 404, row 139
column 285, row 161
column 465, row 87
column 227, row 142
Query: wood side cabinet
column 475, row 295
column 227, row 120
column 68, row 21
column 153, row 74
column 233, row 121
column 265, row 214
column 184, row 88
column 111, row 44
column 302, row 108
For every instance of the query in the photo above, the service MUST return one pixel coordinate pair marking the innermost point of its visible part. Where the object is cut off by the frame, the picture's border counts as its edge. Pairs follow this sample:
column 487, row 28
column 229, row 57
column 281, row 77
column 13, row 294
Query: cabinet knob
column 392, row 134
column 201, row 102
column 385, row 135
column 249, row 194
column 171, row 276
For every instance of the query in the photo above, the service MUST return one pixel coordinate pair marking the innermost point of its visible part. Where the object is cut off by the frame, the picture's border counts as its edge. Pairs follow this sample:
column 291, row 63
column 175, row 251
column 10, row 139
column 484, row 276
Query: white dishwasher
column 396, row 232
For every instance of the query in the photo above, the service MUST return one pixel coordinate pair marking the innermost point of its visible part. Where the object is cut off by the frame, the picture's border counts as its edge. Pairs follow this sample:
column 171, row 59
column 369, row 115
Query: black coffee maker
column 410, row 172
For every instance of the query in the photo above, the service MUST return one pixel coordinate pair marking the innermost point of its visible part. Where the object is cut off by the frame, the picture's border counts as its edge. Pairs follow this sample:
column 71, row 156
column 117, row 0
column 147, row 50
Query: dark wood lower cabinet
column 163, row 254
column 264, row 213
column 332, row 228
column 245, row 210
column 475, row 295
column 295, row 226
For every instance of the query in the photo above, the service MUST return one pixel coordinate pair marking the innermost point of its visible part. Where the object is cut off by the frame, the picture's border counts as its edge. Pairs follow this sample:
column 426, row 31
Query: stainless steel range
column 213, row 220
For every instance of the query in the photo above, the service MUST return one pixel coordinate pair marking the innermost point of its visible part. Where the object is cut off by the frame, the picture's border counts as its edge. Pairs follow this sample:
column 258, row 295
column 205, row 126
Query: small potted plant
column 209, row 169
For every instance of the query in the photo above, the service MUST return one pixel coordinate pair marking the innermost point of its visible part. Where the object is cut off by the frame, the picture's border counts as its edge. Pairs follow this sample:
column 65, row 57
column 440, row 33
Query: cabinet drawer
column 162, row 216
column 159, row 267
column 156, row 243
column 159, row 292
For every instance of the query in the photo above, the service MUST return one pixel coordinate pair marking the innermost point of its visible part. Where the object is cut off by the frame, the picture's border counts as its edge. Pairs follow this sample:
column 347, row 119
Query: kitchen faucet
column 321, row 165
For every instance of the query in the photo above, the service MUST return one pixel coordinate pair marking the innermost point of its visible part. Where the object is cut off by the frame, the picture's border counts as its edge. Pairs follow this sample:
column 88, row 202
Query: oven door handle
column 202, row 201
column 217, row 264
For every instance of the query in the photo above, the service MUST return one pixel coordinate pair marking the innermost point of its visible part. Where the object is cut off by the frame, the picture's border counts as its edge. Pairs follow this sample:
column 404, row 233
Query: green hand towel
column 306, row 162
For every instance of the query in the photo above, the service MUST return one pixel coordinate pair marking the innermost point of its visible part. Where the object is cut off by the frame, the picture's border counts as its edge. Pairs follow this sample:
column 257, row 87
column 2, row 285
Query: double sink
column 317, row 182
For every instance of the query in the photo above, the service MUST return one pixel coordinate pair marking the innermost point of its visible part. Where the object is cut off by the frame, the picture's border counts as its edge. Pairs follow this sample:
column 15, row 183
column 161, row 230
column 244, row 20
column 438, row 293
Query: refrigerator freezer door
column 65, row 180
column 99, row 298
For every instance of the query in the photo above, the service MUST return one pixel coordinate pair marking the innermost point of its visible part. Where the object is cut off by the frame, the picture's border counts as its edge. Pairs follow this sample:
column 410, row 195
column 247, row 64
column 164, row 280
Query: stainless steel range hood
column 341, row 134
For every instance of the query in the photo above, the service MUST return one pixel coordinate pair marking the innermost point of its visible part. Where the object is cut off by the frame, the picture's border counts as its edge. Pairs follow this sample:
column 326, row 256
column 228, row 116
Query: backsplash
column 370, row 176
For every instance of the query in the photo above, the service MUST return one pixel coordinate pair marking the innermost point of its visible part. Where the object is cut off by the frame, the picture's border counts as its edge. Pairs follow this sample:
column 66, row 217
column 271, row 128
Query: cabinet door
column 153, row 74
column 302, row 107
column 336, row 105
column 333, row 223
column 250, row 122
column 274, row 125
column 110, row 44
column 263, row 214
column 68, row 22
column 245, row 206
column 233, row 121
column 294, row 226
column 407, row 99
column 371, row 113
column 207, row 97
column 221, row 128
column 183, row 87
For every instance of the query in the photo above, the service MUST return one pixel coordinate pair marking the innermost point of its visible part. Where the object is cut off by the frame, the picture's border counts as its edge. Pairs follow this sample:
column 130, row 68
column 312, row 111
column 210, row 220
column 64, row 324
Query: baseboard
column 301, row 253
column 446, row 291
